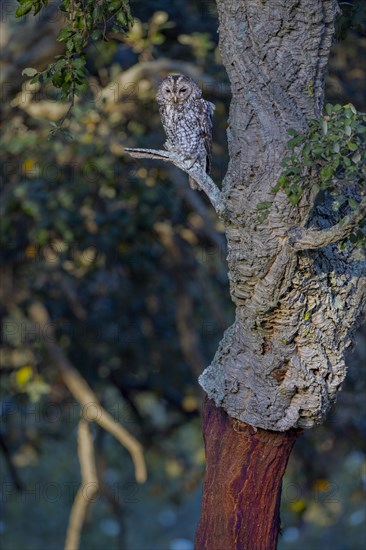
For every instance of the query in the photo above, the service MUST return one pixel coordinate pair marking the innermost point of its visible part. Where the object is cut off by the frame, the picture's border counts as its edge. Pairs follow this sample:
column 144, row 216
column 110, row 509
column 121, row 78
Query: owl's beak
column 175, row 98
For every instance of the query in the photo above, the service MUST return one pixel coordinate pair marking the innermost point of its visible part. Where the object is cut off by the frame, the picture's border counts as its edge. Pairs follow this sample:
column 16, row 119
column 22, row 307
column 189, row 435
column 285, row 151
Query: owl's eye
column 183, row 90
column 167, row 91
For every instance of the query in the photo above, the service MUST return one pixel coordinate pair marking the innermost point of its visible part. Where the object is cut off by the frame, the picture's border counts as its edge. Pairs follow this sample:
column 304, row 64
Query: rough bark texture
column 281, row 364
column 242, row 488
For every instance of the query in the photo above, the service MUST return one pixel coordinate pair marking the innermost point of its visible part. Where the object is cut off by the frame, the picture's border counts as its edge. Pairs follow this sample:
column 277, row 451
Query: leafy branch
column 333, row 153
column 333, row 147
column 86, row 21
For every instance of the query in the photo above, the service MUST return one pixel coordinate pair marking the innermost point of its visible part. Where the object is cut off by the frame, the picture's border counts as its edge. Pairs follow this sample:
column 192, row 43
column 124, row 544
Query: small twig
column 60, row 122
column 116, row 503
column 198, row 174
column 88, row 488
column 310, row 239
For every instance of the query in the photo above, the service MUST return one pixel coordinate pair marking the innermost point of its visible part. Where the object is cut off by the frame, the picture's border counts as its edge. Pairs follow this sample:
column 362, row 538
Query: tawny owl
column 187, row 120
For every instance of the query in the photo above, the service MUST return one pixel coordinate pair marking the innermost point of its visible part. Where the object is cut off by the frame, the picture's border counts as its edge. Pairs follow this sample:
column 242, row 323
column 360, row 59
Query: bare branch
column 310, row 239
column 88, row 488
column 83, row 393
column 198, row 174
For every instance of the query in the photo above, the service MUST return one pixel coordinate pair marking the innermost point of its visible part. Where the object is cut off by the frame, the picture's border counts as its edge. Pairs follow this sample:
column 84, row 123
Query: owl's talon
column 168, row 145
column 190, row 162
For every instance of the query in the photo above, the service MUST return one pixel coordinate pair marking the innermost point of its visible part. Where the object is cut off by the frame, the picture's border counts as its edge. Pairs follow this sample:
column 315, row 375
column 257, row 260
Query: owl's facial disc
column 169, row 94
column 176, row 90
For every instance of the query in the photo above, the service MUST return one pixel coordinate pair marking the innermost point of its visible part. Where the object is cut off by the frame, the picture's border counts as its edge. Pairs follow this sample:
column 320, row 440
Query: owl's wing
column 207, row 108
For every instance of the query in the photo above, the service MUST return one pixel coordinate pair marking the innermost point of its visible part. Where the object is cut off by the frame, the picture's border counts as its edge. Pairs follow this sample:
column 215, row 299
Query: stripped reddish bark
column 242, row 488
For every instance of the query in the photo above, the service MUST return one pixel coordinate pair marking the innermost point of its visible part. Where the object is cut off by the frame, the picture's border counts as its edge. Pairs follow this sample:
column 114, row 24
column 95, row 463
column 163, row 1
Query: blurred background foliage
column 130, row 264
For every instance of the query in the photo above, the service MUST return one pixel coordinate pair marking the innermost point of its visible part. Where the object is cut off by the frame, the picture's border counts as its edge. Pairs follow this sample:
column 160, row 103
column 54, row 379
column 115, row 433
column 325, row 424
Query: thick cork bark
column 281, row 364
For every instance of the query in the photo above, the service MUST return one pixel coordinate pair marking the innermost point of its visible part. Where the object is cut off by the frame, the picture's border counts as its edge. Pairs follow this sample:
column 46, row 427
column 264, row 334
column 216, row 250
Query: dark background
column 130, row 264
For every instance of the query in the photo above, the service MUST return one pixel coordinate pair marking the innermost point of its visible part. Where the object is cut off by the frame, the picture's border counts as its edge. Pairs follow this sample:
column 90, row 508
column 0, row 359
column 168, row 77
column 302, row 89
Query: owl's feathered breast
column 188, row 125
column 181, row 123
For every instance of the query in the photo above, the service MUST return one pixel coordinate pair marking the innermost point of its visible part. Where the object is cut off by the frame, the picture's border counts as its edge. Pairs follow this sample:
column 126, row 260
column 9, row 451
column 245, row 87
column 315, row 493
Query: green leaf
column 37, row 7
column 96, row 34
column 64, row 34
column 24, row 8
column 324, row 126
column 294, row 198
column 356, row 157
column 121, row 18
column 62, row 62
column 282, row 180
column 307, row 315
column 352, row 146
column 353, row 204
column 329, row 109
column 326, row 173
column 29, row 71
column 79, row 62
column 264, row 205
column 295, row 141
column 353, row 108
column 347, row 111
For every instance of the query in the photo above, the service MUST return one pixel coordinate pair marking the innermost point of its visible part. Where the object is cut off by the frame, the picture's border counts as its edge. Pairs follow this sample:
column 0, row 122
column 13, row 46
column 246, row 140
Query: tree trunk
column 280, row 365
column 242, row 488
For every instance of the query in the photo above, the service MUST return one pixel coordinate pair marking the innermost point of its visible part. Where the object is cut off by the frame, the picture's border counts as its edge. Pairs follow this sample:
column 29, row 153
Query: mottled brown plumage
column 187, row 120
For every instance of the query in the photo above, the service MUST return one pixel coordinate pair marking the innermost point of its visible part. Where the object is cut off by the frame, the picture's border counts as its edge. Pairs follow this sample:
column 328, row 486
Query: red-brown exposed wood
column 242, row 488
